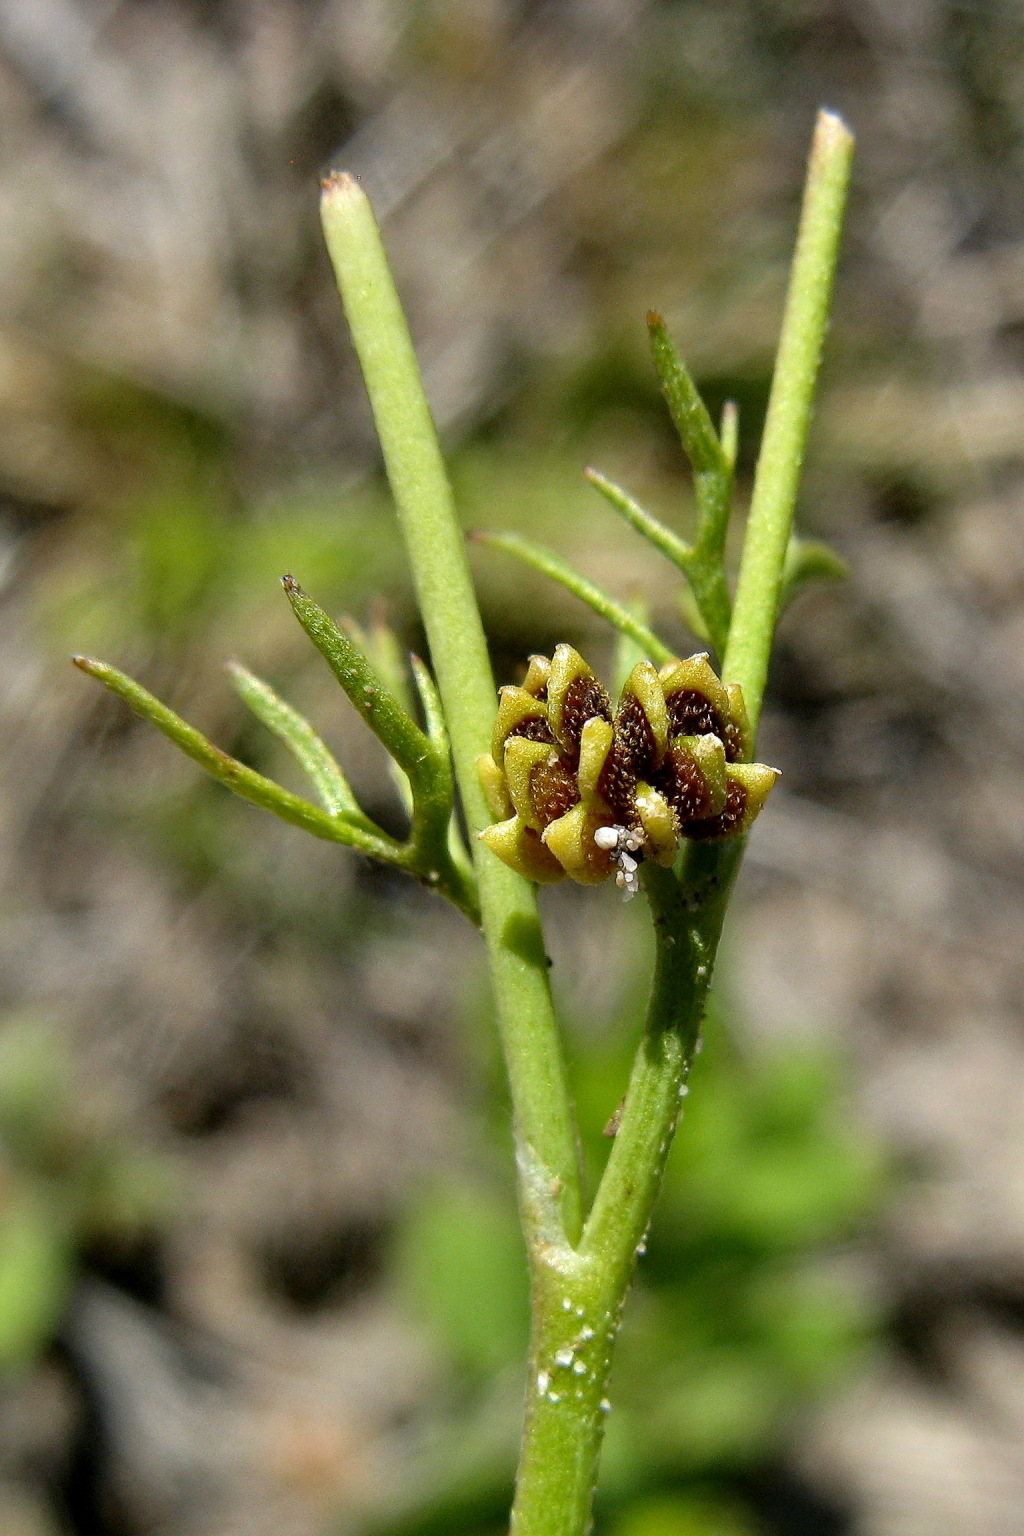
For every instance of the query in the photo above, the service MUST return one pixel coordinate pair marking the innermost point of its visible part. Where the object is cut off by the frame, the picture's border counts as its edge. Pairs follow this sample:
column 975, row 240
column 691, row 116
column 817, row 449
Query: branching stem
column 581, row 1271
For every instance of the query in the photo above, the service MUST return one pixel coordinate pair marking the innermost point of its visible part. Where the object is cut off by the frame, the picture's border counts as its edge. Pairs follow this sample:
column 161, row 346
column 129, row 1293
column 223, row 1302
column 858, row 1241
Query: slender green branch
column 428, row 855
column 541, row 1105
column 378, row 641
column 688, row 911
column 645, row 523
column 687, row 409
column 712, row 465
column 312, row 754
column 423, row 759
column 807, row 560
column 688, row 917
column 789, row 411
column 557, row 569
column 430, row 699
column 692, row 617
column 437, row 730
column 706, row 575
column 402, row 737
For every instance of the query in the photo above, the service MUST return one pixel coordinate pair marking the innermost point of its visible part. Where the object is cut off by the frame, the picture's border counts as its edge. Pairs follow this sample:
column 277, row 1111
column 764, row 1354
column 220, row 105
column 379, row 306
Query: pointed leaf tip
column 92, row 666
column 833, row 123
column 337, row 181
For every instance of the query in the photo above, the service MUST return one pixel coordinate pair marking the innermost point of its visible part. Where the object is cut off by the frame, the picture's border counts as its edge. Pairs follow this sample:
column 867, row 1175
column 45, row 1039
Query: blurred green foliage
column 69, row 1182
column 175, row 550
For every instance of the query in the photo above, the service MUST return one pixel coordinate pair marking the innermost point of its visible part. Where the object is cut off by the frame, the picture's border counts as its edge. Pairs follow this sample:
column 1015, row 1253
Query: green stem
column 789, row 411
column 578, row 1296
column 542, row 1108
column 688, row 917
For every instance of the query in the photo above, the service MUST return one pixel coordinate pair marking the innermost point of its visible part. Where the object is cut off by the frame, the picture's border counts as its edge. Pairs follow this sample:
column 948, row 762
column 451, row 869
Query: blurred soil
column 290, row 1030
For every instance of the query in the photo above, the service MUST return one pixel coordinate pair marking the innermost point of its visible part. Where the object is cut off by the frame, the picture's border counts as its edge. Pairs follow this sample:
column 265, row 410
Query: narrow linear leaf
column 711, row 606
column 312, row 754
column 437, row 729
column 595, row 597
column 784, row 441
column 627, row 652
column 381, row 646
column 712, row 468
column 433, row 712
column 692, row 616
column 542, row 1107
column 385, row 651
column 402, row 737
column 227, row 770
column 729, row 434
column 808, row 560
column 687, row 409
column 663, row 539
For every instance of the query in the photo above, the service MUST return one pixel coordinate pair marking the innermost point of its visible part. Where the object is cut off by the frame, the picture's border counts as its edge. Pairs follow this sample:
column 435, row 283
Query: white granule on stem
column 622, row 843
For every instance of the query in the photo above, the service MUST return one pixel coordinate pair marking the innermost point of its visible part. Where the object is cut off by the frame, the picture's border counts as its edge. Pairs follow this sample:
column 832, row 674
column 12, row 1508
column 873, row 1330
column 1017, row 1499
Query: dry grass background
column 290, row 1029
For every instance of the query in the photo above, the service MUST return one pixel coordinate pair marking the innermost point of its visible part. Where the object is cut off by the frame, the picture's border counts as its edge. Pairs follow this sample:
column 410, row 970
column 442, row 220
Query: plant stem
column 578, row 1296
column 580, row 1273
column 704, row 562
column 541, row 1104
column 687, row 923
column 789, row 411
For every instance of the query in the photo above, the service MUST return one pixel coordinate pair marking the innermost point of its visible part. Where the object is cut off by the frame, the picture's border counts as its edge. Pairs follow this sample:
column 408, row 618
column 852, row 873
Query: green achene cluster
column 587, row 792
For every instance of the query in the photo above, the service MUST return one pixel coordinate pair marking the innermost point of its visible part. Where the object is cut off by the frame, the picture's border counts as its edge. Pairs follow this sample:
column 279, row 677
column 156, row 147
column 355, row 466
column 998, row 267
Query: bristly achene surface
column 589, row 793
